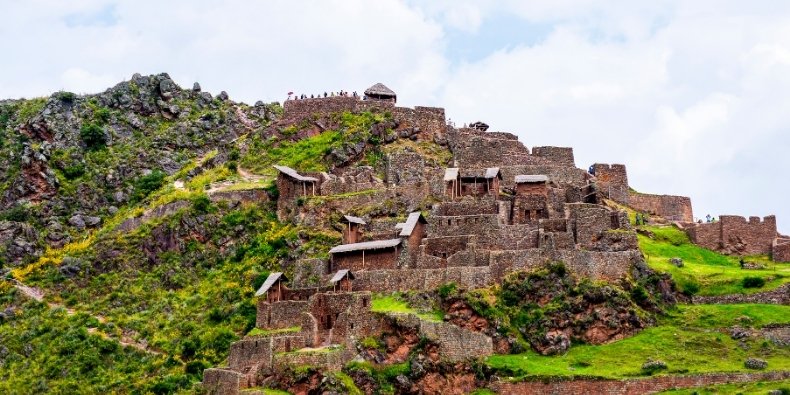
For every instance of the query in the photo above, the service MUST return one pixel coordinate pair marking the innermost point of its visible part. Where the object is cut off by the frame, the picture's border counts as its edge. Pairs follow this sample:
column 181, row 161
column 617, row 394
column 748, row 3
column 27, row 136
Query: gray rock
column 756, row 363
column 402, row 382
column 119, row 197
column 167, row 88
column 91, row 221
column 195, row 87
column 223, row 96
column 738, row 333
column 206, row 98
column 651, row 366
column 112, row 210
column 77, row 222
column 676, row 261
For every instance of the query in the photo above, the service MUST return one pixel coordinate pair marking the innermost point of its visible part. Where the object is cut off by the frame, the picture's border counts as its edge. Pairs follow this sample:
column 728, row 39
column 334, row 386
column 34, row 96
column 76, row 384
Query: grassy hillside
column 690, row 339
column 706, row 272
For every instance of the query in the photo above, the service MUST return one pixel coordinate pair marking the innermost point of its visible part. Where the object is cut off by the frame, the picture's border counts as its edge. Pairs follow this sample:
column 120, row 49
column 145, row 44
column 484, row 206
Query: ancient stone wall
column 562, row 156
column 455, row 343
column 466, row 206
column 367, row 260
column 639, row 386
column 560, row 175
column 243, row 196
column 735, row 235
column 222, row 381
column 462, row 225
column 353, row 180
column 404, row 167
column 612, row 181
column 430, row 121
column 673, row 208
column 469, row 277
column 278, row 315
column 780, row 295
column 444, row 247
column 589, row 222
column 248, row 352
column 332, row 360
column 295, row 111
column 781, row 250
column 529, row 209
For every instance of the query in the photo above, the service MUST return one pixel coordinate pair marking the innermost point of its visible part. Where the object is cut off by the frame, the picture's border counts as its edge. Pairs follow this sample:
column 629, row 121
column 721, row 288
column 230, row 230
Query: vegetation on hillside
column 689, row 339
column 705, row 272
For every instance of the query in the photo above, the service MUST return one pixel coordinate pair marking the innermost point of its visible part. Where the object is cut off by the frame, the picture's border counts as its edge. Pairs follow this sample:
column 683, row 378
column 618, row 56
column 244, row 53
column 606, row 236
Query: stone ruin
column 501, row 207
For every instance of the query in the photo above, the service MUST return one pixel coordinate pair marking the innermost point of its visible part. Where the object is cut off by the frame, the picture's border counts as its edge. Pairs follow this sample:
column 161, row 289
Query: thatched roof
column 367, row 245
column 271, row 280
column 450, row 173
column 340, row 274
column 293, row 174
column 354, row 220
column 530, row 178
column 379, row 89
column 411, row 222
column 491, row 172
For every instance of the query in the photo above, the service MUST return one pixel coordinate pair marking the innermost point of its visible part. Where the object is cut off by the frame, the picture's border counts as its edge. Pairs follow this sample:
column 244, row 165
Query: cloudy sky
column 693, row 96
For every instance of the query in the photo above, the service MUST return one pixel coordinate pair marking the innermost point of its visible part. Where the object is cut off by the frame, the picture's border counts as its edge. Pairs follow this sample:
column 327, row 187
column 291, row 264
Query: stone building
column 352, row 231
column 530, row 203
column 472, row 182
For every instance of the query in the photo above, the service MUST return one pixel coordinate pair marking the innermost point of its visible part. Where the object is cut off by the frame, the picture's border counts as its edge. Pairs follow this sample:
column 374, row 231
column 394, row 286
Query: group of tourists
column 330, row 94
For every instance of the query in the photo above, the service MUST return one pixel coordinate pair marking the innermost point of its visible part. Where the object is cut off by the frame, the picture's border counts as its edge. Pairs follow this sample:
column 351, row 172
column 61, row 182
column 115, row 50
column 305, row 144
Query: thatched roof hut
column 380, row 91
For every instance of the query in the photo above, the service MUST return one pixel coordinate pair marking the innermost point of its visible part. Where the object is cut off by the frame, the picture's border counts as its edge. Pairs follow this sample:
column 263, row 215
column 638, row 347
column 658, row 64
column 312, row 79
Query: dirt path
column 126, row 339
column 246, row 176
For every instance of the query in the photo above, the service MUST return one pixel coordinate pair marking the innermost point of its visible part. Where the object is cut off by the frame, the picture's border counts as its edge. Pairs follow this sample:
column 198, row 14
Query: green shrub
column 753, row 282
column 196, row 367
column 232, row 166
column 689, row 287
column 66, row 97
column 93, row 136
column 639, row 294
column 102, row 116
column 144, row 185
column 234, row 154
column 18, row 213
column 74, row 171
column 447, row 289
column 201, row 204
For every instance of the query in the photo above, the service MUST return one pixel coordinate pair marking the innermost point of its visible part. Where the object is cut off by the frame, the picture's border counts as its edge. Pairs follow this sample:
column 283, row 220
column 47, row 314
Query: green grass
column 267, row 332
column 394, row 304
column 690, row 340
column 758, row 388
column 716, row 274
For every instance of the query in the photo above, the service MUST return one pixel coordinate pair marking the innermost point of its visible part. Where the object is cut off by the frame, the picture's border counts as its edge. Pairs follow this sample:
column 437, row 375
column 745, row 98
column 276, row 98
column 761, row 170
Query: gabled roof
column 367, row 245
column 522, row 178
column 271, row 280
column 490, row 172
column 451, row 173
column 379, row 89
column 411, row 222
column 340, row 274
column 293, row 174
column 354, row 220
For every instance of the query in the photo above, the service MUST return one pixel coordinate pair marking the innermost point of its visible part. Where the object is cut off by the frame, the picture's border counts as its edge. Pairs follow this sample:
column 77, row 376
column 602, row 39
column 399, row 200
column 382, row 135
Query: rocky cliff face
column 69, row 161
